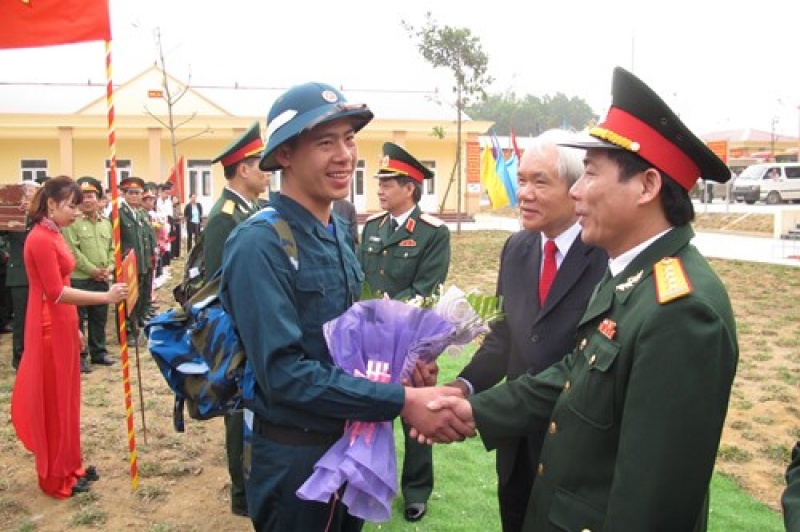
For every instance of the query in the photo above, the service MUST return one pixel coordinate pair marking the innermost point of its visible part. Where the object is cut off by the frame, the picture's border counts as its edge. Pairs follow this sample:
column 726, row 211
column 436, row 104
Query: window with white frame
column 429, row 186
column 124, row 170
column 33, row 169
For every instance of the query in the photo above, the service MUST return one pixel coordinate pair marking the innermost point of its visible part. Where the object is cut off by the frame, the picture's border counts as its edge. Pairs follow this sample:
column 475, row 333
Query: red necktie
column 548, row 271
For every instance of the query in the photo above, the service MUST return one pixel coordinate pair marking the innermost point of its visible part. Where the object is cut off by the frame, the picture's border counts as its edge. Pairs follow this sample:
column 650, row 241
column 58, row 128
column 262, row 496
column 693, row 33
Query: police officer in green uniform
column 131, row 226
column 636, row 410
column 17, row 279
column 404, row 253
column 245, row 181
column 90, row 238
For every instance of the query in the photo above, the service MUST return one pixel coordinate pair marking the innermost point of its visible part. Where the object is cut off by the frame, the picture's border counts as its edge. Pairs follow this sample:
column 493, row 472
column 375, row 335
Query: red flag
column 176, row 178
column 31, row 23
column 514, row 144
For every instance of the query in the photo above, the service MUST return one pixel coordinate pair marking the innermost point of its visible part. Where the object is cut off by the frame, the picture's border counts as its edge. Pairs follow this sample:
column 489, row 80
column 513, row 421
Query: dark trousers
column 276, row 472
column 175, row 235
column 515, row 493
column 192, row 234
column 145, row 300
column 234, row 444
column 93, row 319
column 6, row 306
column 416, row 482
column 19, row 300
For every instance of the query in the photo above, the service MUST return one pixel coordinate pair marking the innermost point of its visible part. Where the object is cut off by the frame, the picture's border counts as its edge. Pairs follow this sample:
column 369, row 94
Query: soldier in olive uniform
column 636, row 410
column 17, row 279
column 239, row 199
column 90, row 238
column 404, row 253
column 132, row 226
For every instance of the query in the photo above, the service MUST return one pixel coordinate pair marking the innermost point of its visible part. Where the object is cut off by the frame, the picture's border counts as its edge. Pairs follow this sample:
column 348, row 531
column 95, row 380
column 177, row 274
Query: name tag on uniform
column 374, row 239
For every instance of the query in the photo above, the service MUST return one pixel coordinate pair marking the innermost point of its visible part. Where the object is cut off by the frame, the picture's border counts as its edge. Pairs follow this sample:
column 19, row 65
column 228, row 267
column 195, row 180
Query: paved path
column 716, row 245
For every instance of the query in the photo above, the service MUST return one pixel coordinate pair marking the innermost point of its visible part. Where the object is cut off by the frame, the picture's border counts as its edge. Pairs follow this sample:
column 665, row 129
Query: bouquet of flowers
column 382, row 340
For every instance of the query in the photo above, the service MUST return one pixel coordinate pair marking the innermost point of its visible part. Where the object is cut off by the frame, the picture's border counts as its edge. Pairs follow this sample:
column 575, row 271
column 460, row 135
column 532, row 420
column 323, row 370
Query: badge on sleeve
column 671, row 280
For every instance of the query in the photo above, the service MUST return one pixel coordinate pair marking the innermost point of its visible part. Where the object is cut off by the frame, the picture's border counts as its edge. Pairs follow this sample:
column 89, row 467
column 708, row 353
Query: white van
column 769, row 182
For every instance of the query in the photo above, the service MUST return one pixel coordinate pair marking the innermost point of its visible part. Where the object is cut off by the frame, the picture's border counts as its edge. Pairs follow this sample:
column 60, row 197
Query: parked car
column 768, row 182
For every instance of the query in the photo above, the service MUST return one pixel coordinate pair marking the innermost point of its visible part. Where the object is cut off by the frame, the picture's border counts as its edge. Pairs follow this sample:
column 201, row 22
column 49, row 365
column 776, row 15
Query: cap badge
column 329, row 96
column 385, row 161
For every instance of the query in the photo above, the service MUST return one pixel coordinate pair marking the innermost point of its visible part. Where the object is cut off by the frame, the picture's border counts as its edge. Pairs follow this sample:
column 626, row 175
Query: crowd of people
column 603, row 389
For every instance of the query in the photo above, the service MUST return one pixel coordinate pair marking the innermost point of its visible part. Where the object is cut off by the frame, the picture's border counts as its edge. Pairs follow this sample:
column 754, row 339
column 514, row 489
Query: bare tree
column 461, row 52
column 172, row 100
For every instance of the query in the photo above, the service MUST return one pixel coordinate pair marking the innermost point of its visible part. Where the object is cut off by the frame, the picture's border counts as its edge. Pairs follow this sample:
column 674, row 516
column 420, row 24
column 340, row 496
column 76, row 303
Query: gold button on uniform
column 567, row 386
column 385, row 252
column 553, row 427
column 586, row 530
column 583, row 344
column 592, row 360
column 540, row 469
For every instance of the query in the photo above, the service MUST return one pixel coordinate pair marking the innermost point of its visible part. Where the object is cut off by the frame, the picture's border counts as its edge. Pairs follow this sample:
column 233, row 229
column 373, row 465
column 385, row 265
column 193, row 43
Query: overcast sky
column 720, row 64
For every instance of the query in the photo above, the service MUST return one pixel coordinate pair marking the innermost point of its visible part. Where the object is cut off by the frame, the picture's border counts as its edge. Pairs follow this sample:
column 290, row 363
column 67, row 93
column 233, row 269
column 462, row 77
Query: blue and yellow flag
column 491, row 182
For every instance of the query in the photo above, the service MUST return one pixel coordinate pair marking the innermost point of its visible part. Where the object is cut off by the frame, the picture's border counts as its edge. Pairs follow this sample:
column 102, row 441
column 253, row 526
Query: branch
column 156, row 118
column 187, row 120
column 206, row 130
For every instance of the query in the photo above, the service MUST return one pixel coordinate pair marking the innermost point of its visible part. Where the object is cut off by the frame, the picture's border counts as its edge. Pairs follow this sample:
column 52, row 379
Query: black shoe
column 82, row 486
column 241, row 511
column 7, row 328
column 85, row 366
column 415, row 511
column 105, row 360
column 91, row 474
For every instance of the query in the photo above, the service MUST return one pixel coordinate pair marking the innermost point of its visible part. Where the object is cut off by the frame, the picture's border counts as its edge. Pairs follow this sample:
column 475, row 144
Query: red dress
column 45, row 405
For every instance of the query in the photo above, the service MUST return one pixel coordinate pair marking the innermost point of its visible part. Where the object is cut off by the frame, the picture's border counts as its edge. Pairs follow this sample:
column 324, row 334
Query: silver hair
column 570, row 160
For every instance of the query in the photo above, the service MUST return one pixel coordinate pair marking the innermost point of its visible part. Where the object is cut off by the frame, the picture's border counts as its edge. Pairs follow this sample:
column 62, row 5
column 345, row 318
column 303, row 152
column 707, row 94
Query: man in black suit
column 193, row 214
column 539, row 322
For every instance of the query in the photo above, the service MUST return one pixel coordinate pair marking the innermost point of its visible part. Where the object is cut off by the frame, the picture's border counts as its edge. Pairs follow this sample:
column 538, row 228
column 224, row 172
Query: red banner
column 31, row 23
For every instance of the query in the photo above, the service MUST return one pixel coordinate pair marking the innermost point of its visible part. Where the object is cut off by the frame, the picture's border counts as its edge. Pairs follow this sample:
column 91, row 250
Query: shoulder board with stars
column 228, row 207
column 376, row 216
column 431, row 220
column 671, row 280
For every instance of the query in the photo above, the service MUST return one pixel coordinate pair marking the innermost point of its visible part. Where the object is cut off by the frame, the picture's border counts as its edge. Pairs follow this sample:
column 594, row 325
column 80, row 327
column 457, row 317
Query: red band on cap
column 243, row 152
column 653, row 147
column 410, row 171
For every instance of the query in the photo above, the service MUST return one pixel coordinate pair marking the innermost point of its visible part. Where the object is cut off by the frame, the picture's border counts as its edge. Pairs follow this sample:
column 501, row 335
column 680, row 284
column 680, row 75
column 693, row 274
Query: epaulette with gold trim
column 431, row 219
column 671, row 280
column 376, row 216
column 228, row 207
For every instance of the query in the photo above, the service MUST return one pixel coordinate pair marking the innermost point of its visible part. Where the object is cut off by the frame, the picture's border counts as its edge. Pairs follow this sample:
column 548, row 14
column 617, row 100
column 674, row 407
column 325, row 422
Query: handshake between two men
column 437, row 414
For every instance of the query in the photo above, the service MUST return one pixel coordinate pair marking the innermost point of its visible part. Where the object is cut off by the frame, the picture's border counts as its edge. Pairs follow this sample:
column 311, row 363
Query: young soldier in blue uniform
column 301, row 400
column 245, row 181
column 405, row 253
column 636, row 410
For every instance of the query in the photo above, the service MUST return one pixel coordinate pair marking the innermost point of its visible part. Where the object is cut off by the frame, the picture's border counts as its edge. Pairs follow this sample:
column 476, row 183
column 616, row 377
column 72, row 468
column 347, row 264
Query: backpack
column 197, row 348
column 194, row 274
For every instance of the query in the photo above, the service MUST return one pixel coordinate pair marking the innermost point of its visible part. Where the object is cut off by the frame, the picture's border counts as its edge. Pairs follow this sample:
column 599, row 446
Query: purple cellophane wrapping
column 379, row 339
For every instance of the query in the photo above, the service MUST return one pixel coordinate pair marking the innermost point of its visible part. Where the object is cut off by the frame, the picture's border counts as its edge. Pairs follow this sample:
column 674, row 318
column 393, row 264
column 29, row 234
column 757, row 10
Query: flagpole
column 121, row 306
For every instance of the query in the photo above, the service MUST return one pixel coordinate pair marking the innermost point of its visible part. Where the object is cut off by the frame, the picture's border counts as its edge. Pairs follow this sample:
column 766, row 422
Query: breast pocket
column 403, row 264
column 311, row 295
column 592, row 392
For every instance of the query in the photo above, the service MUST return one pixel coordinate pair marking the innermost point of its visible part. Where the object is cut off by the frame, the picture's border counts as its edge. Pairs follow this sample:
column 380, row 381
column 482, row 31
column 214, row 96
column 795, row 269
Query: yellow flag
column 491, row 182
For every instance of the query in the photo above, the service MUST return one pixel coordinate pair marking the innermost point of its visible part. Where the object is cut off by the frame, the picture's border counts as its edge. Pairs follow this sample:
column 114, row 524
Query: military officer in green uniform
column 132, row 227
column 636, row 410
column 404, row 253
column 91, row 241
column 17, row 279
column 144, row 307
column 245, row 182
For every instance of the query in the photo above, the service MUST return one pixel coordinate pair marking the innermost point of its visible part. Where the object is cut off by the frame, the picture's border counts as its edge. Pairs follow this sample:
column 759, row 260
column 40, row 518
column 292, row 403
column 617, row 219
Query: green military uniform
column 411, row 260
column 228, row 211
column 790, row 500
column 92, row 244
column 633, row 380
column 131, row 227
column 403, row 262
column 17, row 284
column 148, row 244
